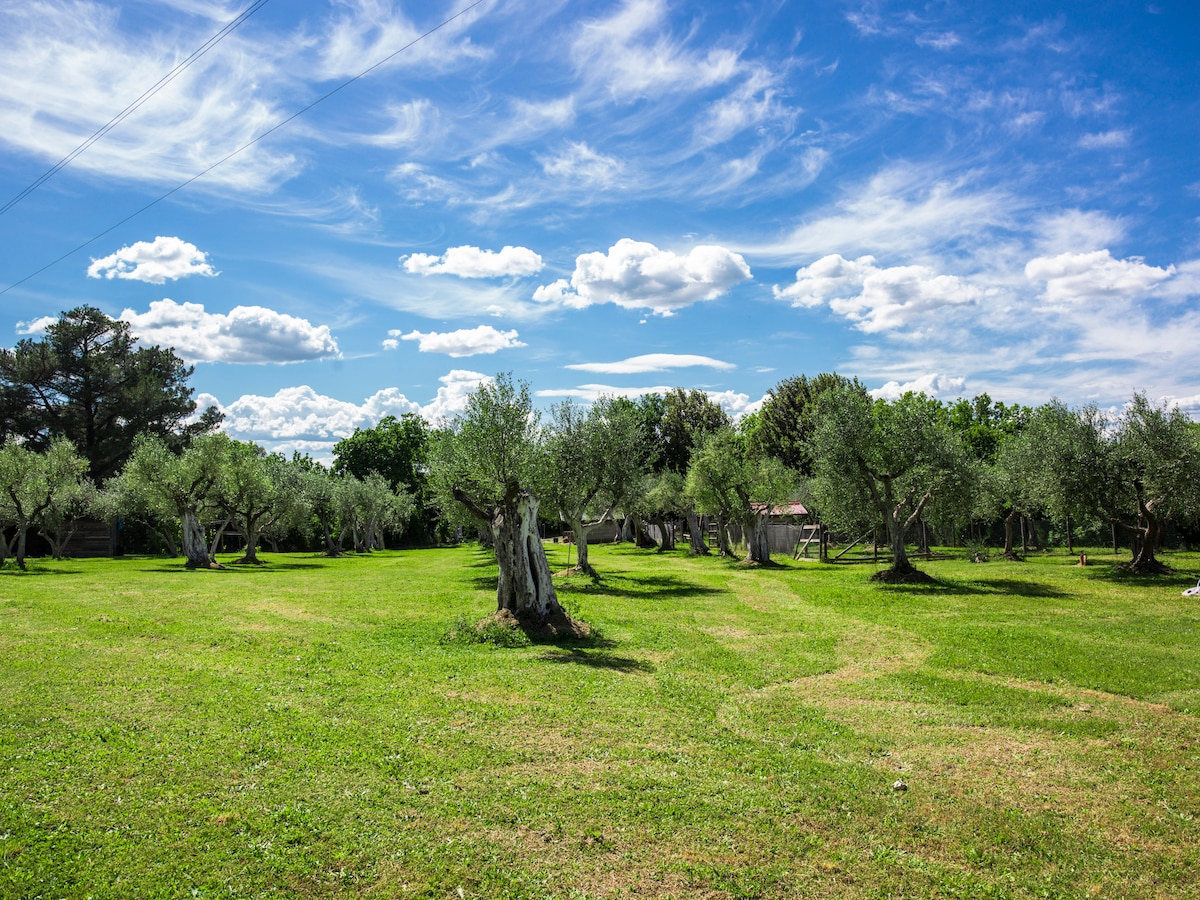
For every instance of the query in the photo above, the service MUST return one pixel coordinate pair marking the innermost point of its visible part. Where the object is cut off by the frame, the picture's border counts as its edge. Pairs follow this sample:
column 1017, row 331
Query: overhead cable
column 246, row 146
column 136, row 104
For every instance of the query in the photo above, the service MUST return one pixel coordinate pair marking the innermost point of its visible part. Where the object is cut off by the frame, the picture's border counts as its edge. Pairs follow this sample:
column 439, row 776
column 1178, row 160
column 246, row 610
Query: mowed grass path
column 304, row 729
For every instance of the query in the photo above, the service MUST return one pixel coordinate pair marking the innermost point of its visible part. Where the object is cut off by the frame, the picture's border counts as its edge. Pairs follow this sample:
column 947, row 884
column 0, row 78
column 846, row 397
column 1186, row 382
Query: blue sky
column 614, row 198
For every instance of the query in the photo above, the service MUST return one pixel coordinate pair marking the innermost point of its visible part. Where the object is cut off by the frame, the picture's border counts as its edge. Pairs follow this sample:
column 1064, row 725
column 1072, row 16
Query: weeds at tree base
column 504, row 628
column 487, row 631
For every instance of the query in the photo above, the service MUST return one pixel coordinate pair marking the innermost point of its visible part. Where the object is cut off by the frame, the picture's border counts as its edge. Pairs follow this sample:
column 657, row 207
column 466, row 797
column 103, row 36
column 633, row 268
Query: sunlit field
column 332, row 728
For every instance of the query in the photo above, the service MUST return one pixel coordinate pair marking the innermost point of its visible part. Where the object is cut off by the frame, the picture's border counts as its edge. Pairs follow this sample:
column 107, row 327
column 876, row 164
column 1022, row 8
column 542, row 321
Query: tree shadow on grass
column 645, row 586
column 265, row 568
column 12, row 571
column 988, row 587
column 1119, row 573
column 575, row 655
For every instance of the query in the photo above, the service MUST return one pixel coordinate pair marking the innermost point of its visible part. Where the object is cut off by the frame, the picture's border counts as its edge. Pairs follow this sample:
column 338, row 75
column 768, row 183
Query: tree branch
column 472, row 507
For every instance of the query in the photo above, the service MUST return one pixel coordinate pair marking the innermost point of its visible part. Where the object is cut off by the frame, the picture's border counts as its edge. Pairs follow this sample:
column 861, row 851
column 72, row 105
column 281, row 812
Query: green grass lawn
column 307, row 729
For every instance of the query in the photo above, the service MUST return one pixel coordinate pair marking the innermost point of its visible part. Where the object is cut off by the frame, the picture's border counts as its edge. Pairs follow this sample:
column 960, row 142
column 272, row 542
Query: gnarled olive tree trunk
column 758, row 540
column 696, row 545
column 524, row 586
column 195, row 548
column 1148, row 532
column 723, row 547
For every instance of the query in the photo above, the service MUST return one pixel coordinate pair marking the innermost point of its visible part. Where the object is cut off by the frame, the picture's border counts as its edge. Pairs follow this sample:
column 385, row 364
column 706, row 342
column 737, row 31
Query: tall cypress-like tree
column 89, row 381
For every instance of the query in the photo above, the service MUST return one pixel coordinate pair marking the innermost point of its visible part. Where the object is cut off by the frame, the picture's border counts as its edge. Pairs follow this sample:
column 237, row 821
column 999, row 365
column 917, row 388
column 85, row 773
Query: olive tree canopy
column 879, row 460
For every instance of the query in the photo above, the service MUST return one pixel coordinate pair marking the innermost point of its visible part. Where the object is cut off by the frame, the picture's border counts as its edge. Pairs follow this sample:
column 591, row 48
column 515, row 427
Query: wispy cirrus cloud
column 631, row 55
column 1105, row 140
column 902, row 210
column 579, row 163
column 368, row 31
column 66, row 62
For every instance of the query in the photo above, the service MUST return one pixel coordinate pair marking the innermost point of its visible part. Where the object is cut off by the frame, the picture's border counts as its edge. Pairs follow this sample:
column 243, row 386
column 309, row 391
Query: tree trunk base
column 1147, row 567
column 747, row 563
column 249, row 561
column 906, row 575
column 585, row 569
column 556, row 626
column 211, row 564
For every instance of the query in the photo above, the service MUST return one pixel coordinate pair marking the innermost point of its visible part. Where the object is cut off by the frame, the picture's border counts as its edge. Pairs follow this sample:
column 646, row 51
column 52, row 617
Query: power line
column 247, row 145
column 136, row 104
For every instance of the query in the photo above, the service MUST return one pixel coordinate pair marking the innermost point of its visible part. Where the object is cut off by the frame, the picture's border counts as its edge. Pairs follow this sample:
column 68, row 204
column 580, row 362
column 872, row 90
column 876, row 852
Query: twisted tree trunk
column 524, row 587
column 195, row 548
column 1148, row 533
column 758, row 541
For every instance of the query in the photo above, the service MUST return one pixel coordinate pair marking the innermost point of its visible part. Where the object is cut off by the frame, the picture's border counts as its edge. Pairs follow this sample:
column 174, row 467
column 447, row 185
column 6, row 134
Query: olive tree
column 29, row 483
column 730, row 479
column 688, row 416
column 256, row 490
column 491, row 461
column 184, row 483
column 1156, row 458
column 879, row 460
column 593, row 458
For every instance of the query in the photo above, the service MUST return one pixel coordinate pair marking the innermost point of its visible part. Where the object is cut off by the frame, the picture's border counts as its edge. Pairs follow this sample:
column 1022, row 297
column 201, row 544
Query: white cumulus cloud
column 472, row 262
column 638, row 275
column 464, row 342
column 932, row 385
column 651, row 362
column 1074, row 278
column 246, row 334
column 457, row 387
column 154, row 262
column 300, row 418
column 36, row 326
column 874, row 298
column 736, row 404
column 300, row 413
